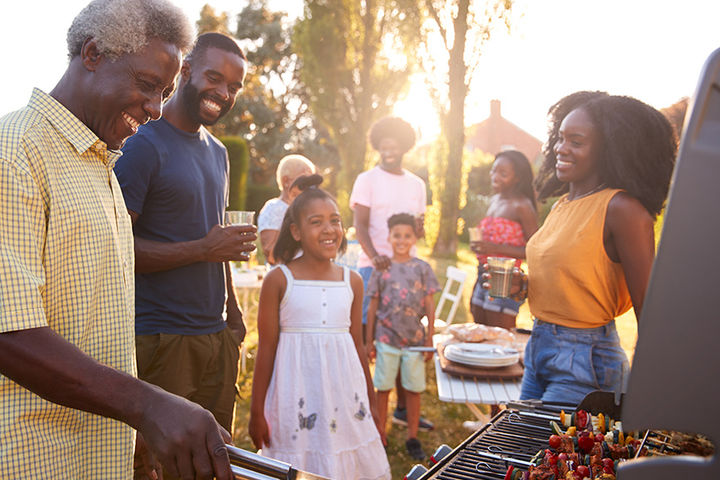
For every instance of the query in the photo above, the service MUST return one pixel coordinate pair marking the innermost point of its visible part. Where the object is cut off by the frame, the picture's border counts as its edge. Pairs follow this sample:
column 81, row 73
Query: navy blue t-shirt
column 177, row 183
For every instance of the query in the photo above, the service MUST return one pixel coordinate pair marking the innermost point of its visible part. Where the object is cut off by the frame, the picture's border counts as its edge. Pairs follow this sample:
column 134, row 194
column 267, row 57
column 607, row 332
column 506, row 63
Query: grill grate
column 510, row 433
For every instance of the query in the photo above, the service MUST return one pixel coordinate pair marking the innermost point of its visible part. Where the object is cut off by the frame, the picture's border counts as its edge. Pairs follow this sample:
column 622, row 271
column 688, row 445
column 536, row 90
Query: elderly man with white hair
column 69, row 398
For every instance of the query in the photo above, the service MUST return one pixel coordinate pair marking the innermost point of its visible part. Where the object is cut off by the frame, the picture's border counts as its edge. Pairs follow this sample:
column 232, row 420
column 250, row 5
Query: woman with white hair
column 271, row 215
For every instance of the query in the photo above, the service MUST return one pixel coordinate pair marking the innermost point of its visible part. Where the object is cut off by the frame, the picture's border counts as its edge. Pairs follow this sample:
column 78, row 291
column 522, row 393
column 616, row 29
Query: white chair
column 451, row 293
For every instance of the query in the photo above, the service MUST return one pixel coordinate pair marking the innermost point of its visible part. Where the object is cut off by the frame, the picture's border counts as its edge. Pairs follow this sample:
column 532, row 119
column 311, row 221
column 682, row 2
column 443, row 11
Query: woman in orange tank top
column 611, row 158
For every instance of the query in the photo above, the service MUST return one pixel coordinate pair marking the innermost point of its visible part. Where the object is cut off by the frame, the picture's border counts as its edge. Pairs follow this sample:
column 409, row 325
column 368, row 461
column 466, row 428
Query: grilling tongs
column 251, row 466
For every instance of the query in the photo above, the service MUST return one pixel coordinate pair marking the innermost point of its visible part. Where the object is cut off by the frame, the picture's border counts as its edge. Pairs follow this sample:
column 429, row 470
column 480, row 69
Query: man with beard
column 174, row 177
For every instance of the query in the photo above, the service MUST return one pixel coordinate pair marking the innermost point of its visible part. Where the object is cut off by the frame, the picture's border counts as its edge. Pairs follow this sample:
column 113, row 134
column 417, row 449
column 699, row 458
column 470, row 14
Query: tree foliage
column 210, row 21
column 355, row 59
column 462, row 27
column 269, row 113
column 239, row 160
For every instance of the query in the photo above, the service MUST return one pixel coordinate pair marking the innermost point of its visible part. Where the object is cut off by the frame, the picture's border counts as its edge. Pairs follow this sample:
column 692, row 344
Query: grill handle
column 240, row 473
column 264, row 465
column 505, row 459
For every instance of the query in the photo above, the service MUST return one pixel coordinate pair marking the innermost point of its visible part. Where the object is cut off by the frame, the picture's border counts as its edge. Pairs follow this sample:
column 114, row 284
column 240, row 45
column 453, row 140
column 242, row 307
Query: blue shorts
column 481, row 298
column 365, row 273
column 391, row 359
column 564, row 364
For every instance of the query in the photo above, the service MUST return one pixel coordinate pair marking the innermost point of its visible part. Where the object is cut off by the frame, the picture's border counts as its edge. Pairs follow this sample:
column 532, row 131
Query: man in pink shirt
column 379, row 193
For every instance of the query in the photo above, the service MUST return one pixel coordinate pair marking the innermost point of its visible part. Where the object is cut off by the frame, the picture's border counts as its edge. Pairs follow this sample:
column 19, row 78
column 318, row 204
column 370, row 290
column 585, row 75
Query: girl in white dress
column 313, row 402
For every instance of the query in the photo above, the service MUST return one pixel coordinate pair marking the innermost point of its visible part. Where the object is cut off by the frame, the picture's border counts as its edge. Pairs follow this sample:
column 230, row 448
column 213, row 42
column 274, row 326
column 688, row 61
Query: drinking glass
column 501, row 273
column 239, row 217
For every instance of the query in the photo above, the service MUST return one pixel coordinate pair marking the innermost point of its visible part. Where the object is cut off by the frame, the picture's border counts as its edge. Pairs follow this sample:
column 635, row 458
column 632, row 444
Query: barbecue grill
column 515, row 436
column 512, row 437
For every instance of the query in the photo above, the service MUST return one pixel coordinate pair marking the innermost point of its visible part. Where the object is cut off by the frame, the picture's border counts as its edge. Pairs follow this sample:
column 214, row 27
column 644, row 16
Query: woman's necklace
column 594, row 190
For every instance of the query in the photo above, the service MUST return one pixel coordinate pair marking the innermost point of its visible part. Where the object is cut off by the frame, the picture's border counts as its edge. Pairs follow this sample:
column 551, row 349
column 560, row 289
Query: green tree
column 239, row 160
column 463, row 27
column 355, row 58
column 212, row 22
column 269, row 113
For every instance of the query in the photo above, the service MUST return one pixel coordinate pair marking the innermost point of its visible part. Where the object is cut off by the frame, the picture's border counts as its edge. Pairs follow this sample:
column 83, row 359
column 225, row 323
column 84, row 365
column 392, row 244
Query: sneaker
column 414, row 449
column 400, row 418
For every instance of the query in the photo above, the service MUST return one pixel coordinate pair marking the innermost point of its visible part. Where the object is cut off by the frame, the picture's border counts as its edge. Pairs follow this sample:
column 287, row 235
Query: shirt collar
column 70, row 127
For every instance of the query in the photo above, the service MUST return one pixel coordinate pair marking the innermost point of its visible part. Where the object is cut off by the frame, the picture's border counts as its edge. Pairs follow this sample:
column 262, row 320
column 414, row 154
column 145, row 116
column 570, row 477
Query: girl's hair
column 395, row 128
column 523, row 173
column 637, row 147
column 286, row 246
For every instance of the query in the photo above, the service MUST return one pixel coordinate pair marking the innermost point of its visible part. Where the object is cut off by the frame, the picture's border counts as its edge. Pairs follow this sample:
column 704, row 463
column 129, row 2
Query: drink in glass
column 501, row 272
column 239, row 217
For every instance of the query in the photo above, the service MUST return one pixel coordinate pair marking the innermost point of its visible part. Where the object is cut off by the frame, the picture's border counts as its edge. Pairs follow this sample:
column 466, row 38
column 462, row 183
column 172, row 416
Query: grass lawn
column 448, row 417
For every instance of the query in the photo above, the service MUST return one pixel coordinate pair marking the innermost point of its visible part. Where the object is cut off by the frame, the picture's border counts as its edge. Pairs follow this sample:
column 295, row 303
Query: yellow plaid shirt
column 66, row 261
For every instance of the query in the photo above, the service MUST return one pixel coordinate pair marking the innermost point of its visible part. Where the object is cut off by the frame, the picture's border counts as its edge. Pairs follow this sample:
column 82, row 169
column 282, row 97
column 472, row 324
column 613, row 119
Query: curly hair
column 637, row 147
column 126, row 26
column 395, row 128
column 402, row 219
column 523, row 173
column 286, row 246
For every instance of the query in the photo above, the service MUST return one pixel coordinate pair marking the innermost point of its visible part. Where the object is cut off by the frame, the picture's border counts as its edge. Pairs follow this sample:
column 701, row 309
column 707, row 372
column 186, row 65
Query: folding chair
column 451, row 293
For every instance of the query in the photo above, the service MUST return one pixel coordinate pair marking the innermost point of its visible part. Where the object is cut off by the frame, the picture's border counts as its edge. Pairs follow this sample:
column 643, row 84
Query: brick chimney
column 495, row 108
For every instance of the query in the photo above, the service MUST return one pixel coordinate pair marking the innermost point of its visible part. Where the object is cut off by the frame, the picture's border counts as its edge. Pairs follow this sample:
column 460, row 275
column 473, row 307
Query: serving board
column 457, row 369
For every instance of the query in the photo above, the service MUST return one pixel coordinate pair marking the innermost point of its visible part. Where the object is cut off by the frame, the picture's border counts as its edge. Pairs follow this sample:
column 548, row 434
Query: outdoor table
column 247, row 283
column 472, row 390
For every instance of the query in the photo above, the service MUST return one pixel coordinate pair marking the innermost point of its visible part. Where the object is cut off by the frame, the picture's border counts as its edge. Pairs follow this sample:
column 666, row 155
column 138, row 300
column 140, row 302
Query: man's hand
column 381, row 262
column 185, row 438
column 234, row 242
column 235, row 322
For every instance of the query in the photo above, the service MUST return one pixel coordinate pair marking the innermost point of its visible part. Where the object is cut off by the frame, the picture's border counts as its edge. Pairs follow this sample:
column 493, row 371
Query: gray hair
column 126, row 26
column 292, row 166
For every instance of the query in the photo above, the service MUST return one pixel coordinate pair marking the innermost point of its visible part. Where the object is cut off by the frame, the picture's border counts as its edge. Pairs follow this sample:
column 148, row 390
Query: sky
column 653, row 50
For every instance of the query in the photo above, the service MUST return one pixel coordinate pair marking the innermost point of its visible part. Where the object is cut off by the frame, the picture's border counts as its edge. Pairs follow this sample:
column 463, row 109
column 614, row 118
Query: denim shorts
column 390, row 360
column 564, row 364
column 481, row 298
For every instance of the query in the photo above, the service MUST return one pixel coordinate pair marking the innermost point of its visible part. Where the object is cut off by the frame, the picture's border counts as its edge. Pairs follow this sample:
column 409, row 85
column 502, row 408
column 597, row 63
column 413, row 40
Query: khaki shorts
column 201, row 368
column 390, row 360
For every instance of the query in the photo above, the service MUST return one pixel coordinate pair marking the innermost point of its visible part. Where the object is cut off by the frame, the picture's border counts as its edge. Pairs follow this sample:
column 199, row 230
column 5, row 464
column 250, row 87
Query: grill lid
column 673, row 383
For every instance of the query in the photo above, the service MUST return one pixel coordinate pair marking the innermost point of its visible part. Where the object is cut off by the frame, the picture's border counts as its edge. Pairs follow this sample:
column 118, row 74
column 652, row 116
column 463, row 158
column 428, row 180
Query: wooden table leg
column 482, row 417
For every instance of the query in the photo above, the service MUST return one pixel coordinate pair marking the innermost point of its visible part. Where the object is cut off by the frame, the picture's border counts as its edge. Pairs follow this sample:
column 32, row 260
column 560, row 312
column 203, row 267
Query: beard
column 191, row 99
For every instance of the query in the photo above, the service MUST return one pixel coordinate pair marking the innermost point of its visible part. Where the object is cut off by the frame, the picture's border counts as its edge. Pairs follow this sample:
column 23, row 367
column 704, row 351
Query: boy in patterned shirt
column 399, row 297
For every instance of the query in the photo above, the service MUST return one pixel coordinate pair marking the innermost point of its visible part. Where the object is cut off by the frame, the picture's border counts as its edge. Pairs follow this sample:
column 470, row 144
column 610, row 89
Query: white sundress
column 317, row 404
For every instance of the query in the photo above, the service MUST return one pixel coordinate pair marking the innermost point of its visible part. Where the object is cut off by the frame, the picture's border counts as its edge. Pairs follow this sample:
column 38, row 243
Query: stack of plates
column 481, row 354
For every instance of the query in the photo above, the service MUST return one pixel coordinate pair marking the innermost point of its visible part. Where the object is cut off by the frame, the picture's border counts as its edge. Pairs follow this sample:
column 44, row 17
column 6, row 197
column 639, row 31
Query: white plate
column 481, row 354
